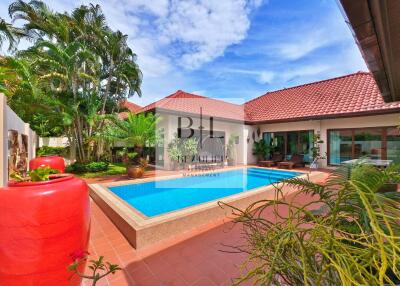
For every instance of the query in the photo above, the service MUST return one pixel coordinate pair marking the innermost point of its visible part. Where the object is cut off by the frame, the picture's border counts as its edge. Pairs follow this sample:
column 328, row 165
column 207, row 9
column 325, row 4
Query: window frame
column 353, row 129
column 285, row 134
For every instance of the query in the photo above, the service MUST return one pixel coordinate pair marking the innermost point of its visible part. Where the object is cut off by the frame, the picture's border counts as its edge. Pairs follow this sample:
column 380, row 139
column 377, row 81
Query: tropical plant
column 174, row 149
column 189, row 148
column 48, row 151
column 137, row 130
column 261, row 148
column 182, row 150
column 126, row 156
column 75, row 75
column 347, row 233
column 10, row 34
column 37, row 175
column 316, row 148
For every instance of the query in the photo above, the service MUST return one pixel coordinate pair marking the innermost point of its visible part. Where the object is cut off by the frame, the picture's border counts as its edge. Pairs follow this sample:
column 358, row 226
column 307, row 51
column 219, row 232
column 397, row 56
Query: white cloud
column 207, row 28
column 266, row 77
column 200, row 29
column 262, row 76
column 281, row 76
column 298, row 41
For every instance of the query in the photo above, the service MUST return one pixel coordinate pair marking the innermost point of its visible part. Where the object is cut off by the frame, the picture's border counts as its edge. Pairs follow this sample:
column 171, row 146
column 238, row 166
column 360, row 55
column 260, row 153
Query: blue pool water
column 159, row 197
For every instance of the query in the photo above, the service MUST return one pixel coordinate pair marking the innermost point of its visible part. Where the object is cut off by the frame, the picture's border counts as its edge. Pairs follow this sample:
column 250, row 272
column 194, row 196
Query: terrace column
column 3, row 141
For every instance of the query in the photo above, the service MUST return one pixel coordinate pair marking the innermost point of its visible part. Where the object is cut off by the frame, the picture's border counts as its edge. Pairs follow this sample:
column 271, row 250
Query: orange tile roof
column 132, row 107
column 185, row 102
column 349, row 95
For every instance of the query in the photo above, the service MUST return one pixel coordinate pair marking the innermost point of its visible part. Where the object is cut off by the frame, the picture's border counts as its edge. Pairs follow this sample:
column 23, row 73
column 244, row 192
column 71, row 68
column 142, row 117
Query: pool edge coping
column 138, row 222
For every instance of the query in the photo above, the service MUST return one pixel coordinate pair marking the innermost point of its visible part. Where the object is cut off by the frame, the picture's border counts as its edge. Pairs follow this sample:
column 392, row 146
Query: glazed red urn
column 42, row 225
column 54, row 162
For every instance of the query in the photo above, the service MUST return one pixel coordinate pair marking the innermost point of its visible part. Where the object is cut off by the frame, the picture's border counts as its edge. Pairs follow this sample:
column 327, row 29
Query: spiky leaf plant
column 348, row 233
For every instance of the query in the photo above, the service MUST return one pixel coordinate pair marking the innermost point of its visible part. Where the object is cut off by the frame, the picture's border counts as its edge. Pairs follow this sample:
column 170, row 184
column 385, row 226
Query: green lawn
column 113, row 169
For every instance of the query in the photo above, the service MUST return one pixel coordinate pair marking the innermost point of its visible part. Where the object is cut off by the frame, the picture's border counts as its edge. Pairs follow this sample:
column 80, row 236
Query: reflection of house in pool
column 347, row 112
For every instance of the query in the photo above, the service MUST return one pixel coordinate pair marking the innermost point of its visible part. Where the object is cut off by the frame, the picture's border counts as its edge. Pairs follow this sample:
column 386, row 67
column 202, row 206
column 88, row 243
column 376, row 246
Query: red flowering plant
column 99, row 268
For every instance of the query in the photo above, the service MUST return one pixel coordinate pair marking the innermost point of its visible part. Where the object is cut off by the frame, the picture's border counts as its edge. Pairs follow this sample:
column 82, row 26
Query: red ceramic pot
column 54, row 162
column 41, row 225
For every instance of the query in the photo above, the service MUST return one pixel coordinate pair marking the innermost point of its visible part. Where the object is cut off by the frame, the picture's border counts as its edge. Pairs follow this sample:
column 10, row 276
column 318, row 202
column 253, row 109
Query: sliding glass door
column 291, row 142
column 374, row 143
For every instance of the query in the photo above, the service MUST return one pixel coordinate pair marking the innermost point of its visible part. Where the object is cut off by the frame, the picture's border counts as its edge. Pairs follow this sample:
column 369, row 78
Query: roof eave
column 327, row 116
column 375, row 25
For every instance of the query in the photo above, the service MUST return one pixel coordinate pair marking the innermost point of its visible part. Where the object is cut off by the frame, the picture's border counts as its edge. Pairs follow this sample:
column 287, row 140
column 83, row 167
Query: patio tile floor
column 194, row 258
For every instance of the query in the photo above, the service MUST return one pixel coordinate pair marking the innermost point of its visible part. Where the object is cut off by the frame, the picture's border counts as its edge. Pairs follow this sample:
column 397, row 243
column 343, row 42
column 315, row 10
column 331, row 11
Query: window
column 291, row 142
column 375, row 143
column 393, row 144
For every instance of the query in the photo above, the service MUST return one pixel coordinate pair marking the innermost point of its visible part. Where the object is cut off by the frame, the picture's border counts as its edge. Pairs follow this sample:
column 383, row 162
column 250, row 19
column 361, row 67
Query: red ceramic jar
column 41, row 225
column 54, row 162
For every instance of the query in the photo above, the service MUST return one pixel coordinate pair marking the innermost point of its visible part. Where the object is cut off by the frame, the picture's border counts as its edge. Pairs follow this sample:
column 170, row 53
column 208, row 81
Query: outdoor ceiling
column 376, row 28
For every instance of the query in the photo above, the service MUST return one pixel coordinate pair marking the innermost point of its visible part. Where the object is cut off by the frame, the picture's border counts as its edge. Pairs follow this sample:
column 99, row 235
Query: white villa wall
column 53, row 141
column 322, row 126
column 9, row 120
column 249, row 129
column 170, row 125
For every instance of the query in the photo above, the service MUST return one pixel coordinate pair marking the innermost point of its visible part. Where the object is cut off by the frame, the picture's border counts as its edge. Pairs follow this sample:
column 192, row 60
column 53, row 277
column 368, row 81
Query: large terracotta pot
column 41, row 225
column 135, row 172
column 54, row 162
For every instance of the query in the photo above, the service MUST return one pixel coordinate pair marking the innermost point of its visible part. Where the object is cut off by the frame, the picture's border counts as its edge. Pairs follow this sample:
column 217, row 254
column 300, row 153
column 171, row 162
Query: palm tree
column 138, row 130
column 83, row 67
column 346, row 232
column 122, row 74
column 9, row 33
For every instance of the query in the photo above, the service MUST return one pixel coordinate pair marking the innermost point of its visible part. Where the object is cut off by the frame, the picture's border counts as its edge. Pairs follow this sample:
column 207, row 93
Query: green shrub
column 92, row 167
column 47, row 150
column 96, row 166
column 76, row 168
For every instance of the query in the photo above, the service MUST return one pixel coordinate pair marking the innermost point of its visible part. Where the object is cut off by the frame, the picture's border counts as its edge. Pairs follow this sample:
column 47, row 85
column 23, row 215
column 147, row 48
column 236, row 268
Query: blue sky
column 230, row 49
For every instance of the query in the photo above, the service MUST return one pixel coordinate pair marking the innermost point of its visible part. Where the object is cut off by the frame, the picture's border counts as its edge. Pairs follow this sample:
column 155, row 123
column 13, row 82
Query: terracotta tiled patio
column 194, row 258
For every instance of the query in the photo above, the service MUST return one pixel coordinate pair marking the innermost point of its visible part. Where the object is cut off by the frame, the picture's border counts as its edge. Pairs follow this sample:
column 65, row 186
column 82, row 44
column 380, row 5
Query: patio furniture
column 295, row 161
column 274, row 160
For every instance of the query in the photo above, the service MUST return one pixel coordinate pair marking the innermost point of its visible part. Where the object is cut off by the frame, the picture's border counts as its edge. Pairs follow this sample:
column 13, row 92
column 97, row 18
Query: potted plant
column 316, row 151
column 261, row 149
column 45, row 217
column 175, row 152
column 137, row 131
column 189, row 150
column 49, row 156
column 135, row 167
column 53, row 161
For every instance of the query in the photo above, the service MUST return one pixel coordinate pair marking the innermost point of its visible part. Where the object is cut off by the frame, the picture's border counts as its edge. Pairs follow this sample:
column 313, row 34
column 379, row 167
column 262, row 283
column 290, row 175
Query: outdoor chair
column 274, row 160
column 295, row 161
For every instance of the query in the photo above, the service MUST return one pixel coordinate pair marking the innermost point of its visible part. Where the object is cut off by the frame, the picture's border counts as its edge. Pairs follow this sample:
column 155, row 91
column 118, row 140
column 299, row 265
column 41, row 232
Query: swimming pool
column 159, row 197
